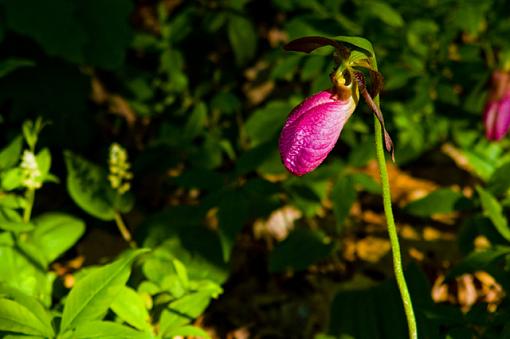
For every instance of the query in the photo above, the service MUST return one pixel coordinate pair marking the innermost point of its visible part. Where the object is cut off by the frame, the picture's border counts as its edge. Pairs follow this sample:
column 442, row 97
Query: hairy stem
column 124, row 230
column 392, row 232
column 27, row 212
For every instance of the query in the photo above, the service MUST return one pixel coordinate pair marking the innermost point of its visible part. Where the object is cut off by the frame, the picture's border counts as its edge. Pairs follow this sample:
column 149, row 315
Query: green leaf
column 10, row 155
column 243, row 38
column 385, row 13
column 129, row 306
column 366, row 182
column 187, row 330
column 16, row 227
column 91, row 297
column 15, row 317
column 183, row 311
column 43, row 159
column 499, row 181
column 442, row 201
column 107, row 330
column 30, row 303
column 361, row 43
column 51, row 23
column 108, row 25
column 87, row 186
column 11, row 201
column 478, row 260
column 11, row 179
column 493, row 210
column 264, row 123
column 302, row 248
column 55, row 233
column 20, row 271
column 343, row 197
column 10, row 65
column 196, row 122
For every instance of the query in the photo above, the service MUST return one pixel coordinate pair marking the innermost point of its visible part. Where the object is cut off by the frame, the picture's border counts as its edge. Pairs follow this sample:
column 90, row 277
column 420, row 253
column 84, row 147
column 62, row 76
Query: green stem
column 392, row 232
column 124, row 230
column 27, row 212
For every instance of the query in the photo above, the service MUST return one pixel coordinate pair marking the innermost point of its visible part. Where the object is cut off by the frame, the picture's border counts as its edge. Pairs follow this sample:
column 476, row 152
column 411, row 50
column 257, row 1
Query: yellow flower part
column 119, row 175
column 31, row 176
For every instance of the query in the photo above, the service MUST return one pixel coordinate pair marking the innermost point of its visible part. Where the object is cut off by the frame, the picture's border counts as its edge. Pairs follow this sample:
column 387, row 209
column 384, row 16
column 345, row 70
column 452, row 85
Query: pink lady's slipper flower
column 313, row 127
column 312, row 130
column 496, row 114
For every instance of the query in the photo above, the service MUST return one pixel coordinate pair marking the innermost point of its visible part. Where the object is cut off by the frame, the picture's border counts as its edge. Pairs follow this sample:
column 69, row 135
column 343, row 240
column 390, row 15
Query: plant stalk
column 392, row 231
column 124, row 230
column 27, row 212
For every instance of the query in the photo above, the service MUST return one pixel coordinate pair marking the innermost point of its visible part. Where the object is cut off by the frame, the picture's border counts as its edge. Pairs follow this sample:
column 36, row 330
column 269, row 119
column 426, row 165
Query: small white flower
column 31, row 176
column 119, row 166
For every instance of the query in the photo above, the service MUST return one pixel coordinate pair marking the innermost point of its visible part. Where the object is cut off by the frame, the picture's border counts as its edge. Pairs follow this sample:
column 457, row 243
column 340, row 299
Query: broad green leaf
column 11, row 201
column 359, row 42
column 480, row 166
column 366, row 183
column 493, row 210
column 129, row 306
column 181, row 272
column 385, row 13
column 30, row 303
column 107, row 23
column 478, row 260
column 87, row 185
column 91, row 297
column 107, row 330
column 183, row 311
column 196, row 122
column 18, row 270
column 187, row 330
column 15, row 317
column 343, row 197
column 55, row 233
column 499, row 181
column 312, row 67
column 16, row 227
column 10, row 65
column 302, row 248
column 52, row 24
column 266, row 122
column 243, row 38
column 43, row 159
column 10, row 155
column 11, row 179
column 441, row 201
column 232, row 215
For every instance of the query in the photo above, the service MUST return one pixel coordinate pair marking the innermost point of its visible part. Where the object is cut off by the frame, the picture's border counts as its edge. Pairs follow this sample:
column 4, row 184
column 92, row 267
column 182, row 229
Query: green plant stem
column 124, row 230
column 27, row 212
column 392, row 232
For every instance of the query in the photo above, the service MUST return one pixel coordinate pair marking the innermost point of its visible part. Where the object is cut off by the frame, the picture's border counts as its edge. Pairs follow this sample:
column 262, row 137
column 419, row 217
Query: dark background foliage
column 197, row 92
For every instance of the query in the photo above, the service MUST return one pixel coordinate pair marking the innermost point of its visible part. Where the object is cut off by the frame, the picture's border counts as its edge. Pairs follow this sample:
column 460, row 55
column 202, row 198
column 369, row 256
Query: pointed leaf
column 91, row 297
column 107, row 330
column 130, row 307
column 87, row 186
column 9, row 156
column 15, row 317
column 55, row 233
column 30, row 303
column 493, row 210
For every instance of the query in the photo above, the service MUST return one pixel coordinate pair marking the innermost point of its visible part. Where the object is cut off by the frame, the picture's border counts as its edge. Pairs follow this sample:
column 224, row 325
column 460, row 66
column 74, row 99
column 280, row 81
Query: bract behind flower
column 312, row 130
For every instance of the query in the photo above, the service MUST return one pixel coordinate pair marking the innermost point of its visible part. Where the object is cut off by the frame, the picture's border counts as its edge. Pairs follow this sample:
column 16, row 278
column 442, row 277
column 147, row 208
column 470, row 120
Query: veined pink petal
column 312, row 130
column 489, row 118
column 497, row 118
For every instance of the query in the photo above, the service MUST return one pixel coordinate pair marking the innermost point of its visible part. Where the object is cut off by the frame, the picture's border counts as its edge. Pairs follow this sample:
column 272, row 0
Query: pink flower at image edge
column 496, row 117
column 312, row 130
